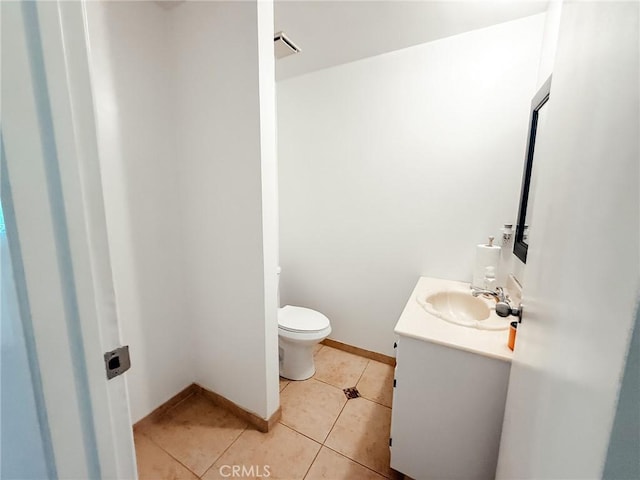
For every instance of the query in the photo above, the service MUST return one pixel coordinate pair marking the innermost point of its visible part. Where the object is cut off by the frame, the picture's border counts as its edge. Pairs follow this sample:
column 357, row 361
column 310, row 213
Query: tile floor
column 321, row 435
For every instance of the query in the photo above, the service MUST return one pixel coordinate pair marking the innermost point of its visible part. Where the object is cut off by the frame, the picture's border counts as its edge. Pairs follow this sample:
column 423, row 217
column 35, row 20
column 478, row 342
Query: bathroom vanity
column 450, row 383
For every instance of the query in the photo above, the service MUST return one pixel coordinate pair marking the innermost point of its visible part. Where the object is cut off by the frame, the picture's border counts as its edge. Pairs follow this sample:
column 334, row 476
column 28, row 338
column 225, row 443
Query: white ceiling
column 169, row 4
column 335, row 32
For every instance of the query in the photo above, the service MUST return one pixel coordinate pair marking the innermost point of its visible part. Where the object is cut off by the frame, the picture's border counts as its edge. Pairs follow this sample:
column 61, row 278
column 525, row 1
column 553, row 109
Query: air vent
column 284, row 46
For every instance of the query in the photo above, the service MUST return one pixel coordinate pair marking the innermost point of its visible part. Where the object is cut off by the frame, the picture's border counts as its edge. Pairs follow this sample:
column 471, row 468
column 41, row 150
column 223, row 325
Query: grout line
column 312, row 462
column 303, row 434
column 288, row 383
column 371, row 399
column 325, row 383
column 358, row 381
column 322, row 381
column 224, row 451
column 307, row 436
column 375, row 401
column 342, row 409
column 363, row 370
column 336, row 421
column 342, row 389
column 356, row 461
column 322, row 444
column 167, row 452
column 178, row 460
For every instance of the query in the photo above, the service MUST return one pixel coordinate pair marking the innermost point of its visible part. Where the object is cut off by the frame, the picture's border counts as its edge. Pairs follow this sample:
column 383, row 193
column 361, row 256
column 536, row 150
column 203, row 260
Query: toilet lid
column 300, row 319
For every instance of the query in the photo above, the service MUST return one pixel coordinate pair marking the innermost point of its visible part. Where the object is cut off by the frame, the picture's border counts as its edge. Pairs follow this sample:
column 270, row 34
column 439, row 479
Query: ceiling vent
column 284, row 46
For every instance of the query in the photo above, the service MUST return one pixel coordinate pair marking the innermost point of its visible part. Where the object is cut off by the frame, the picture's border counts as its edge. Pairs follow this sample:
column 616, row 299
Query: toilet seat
column 299, row 331
column 301, row 320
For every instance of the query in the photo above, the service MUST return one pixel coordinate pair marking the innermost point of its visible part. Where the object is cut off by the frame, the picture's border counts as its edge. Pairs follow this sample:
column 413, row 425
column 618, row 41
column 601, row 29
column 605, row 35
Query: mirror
column 527, row 193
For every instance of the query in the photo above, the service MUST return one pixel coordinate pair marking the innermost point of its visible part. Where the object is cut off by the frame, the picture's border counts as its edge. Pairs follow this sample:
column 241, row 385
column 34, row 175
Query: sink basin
column 462, row 309
column 462, row 306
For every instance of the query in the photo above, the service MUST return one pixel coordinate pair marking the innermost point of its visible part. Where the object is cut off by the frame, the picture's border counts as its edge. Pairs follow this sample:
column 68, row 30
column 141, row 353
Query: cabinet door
column 447, row 412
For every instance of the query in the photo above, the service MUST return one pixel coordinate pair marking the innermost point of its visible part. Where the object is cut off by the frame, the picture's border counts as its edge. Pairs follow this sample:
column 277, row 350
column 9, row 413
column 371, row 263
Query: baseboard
column 168, row 405
column 378, row 357
column 260, row 423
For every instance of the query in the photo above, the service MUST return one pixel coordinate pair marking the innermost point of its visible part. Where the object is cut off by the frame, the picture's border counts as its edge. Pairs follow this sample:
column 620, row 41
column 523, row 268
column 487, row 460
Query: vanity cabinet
column 448, row 407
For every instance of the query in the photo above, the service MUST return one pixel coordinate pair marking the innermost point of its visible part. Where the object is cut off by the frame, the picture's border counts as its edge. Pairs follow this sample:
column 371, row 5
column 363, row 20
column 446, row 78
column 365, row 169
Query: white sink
column 461, row 308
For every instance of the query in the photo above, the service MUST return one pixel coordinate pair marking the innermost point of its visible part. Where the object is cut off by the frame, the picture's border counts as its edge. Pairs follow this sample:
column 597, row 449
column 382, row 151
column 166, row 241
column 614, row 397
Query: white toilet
column 299, row 330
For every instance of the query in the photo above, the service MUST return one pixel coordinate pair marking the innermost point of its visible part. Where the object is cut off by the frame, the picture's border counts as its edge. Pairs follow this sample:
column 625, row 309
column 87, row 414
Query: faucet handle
column 503, row 309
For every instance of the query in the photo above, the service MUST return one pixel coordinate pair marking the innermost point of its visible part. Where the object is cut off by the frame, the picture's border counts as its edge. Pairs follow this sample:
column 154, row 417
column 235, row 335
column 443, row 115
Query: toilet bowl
column 299, row 330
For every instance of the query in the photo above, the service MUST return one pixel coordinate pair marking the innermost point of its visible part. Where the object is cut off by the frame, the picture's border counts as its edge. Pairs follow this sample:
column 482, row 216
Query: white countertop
column 416, row 323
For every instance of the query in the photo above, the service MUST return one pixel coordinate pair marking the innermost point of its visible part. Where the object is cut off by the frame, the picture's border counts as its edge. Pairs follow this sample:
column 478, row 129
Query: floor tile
column 338, row 368
column 362, row 434
column 317, row 348
column 280, row 454
column 195, row 432
column 330, row 465
column 283, row 383
column 376, row 383
column 154, row 463
column 311, row 407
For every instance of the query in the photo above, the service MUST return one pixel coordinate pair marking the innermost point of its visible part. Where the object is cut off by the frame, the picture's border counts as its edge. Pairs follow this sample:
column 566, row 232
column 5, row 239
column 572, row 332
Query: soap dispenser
column 490, row 279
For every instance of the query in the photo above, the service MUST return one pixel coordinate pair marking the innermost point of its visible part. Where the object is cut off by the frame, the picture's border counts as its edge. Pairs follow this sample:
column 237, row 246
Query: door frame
column 55, row 205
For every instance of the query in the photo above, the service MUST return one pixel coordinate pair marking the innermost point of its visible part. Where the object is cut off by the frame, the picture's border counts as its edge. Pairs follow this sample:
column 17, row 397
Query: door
column 581, row 277
column 55, row 262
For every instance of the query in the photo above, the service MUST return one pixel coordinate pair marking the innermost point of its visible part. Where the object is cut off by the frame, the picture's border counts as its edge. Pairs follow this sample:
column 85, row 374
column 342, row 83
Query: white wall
column 135, row 103
column 187, row 137
column 549, row 41
column 512, row 263
column 224, row 120
column 269, row 165
column 581, row 278
column 395, row 166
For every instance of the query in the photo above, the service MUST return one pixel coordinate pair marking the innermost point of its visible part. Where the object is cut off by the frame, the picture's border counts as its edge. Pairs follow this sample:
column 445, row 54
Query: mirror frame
column 520, row 247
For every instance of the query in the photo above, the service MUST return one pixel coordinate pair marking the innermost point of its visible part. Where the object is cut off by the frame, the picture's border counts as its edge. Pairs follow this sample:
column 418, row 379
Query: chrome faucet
column 503, row 306
column 498, row 294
